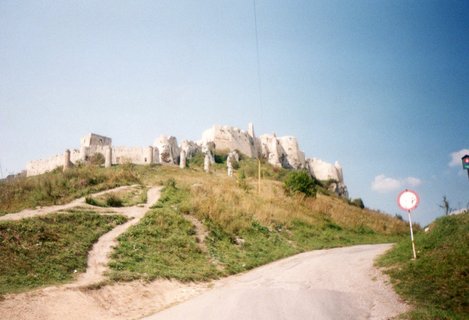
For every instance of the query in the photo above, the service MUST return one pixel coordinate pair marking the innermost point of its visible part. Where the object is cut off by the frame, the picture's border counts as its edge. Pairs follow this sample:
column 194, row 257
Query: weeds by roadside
column 437, row 283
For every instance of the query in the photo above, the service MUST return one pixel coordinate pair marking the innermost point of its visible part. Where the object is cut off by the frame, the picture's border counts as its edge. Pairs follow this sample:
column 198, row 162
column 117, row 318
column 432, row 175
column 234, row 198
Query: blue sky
column 381, row 86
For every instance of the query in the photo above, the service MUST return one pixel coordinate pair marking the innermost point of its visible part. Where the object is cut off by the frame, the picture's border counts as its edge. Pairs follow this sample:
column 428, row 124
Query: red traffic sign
column 408, row 200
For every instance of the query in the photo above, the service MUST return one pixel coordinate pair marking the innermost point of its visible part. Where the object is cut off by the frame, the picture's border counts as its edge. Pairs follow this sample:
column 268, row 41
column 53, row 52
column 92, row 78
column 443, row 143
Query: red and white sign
column 408, row 200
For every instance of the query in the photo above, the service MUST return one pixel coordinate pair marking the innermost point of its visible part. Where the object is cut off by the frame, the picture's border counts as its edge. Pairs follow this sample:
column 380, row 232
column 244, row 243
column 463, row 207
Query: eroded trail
column 78, row 301
column 98, row 257
column 325, row 284
column 29, row 213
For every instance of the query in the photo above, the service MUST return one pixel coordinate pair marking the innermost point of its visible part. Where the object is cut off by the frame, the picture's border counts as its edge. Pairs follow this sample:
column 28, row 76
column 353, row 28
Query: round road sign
column 408, row 200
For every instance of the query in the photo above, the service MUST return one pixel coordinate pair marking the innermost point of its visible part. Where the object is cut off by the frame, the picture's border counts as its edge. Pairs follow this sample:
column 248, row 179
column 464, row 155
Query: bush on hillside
column 96, row 159
column 300, row 181
column 358, row 203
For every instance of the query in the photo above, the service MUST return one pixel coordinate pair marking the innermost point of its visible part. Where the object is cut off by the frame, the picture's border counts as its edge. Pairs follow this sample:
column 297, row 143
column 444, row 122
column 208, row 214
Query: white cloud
column 384, row 184
column 456, row 157
column 411, row 181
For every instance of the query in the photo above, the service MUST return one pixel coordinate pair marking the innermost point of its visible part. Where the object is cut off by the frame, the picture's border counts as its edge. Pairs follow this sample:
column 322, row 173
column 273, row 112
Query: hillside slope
column 207, row 226
column 437, row 283
column 211, row 225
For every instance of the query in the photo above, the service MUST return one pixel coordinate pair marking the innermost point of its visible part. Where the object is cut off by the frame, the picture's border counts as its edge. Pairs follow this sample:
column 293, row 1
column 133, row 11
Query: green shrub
column 96, row 159
column 220, row 156
column 113, row 201
column 358, row 203
column 91, row 201
column 300, row 181
column 197, row 160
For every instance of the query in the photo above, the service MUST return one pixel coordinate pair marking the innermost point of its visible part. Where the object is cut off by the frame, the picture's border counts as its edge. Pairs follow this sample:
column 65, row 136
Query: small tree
column 300, row 181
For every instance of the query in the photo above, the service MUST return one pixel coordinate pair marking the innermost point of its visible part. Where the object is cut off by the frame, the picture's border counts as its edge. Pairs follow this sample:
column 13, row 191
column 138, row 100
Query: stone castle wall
column 137, row 155
column 278, row 151
column 231, row 138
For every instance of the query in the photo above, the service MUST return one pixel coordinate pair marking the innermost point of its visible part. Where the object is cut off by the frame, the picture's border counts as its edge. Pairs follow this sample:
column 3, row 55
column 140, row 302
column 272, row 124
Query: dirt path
column 28, row 213
column 130, row 300
column 78, row 301
column 98, row 257
column 326, row 284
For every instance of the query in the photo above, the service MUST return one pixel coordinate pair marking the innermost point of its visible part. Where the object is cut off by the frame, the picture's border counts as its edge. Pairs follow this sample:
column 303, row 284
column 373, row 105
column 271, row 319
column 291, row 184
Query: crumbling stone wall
column 278, row 151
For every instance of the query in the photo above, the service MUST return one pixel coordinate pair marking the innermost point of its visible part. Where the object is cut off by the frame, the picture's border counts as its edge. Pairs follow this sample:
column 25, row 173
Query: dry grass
column 220, row 199
column 128, row 197
column 59, row 187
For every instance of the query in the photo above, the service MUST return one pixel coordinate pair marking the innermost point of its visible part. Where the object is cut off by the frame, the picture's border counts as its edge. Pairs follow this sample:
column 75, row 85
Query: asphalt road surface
column 325, row 284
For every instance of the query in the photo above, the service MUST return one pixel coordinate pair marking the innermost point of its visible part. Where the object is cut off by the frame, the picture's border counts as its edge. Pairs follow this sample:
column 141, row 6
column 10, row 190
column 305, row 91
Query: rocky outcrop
column 293, row 157
column 282, row 152
column 271, row 150
column 278, row 151
column 190, row 148
column 228, row 138
column 332, row 173
column 168, row 149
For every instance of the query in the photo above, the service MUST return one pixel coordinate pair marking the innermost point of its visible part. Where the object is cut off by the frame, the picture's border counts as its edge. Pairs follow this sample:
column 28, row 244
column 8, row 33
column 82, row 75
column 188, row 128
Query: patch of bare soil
column 131, row 300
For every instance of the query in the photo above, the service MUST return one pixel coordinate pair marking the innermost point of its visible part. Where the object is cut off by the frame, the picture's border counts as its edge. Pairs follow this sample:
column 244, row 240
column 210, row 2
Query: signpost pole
column 412, row 235
column 408, row 200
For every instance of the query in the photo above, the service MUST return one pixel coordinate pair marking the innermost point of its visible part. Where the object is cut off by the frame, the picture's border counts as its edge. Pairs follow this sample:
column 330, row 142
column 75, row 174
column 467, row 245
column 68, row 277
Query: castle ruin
column 281, row 152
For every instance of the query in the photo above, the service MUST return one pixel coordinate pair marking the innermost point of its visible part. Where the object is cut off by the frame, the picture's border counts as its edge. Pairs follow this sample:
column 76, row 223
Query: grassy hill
column 49, row 249
column 59, row 187
column 211, row 225
column 437, row 283
column 205, row 225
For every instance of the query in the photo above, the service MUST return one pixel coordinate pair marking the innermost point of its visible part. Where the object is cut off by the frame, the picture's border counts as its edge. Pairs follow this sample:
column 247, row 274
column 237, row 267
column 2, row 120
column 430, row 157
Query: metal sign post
column 408, row 200
column 412, row 235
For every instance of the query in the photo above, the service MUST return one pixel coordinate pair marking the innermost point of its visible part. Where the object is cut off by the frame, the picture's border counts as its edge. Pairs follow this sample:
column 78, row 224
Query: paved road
column 326, row 284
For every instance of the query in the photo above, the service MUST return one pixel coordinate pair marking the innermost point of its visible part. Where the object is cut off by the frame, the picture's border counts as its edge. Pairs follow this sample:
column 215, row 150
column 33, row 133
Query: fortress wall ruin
column 231, row 138
column 119, row 155
column 295, row 158
column 136, row 155
column 278, row 151
column 93, row 139
column 40, row 166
